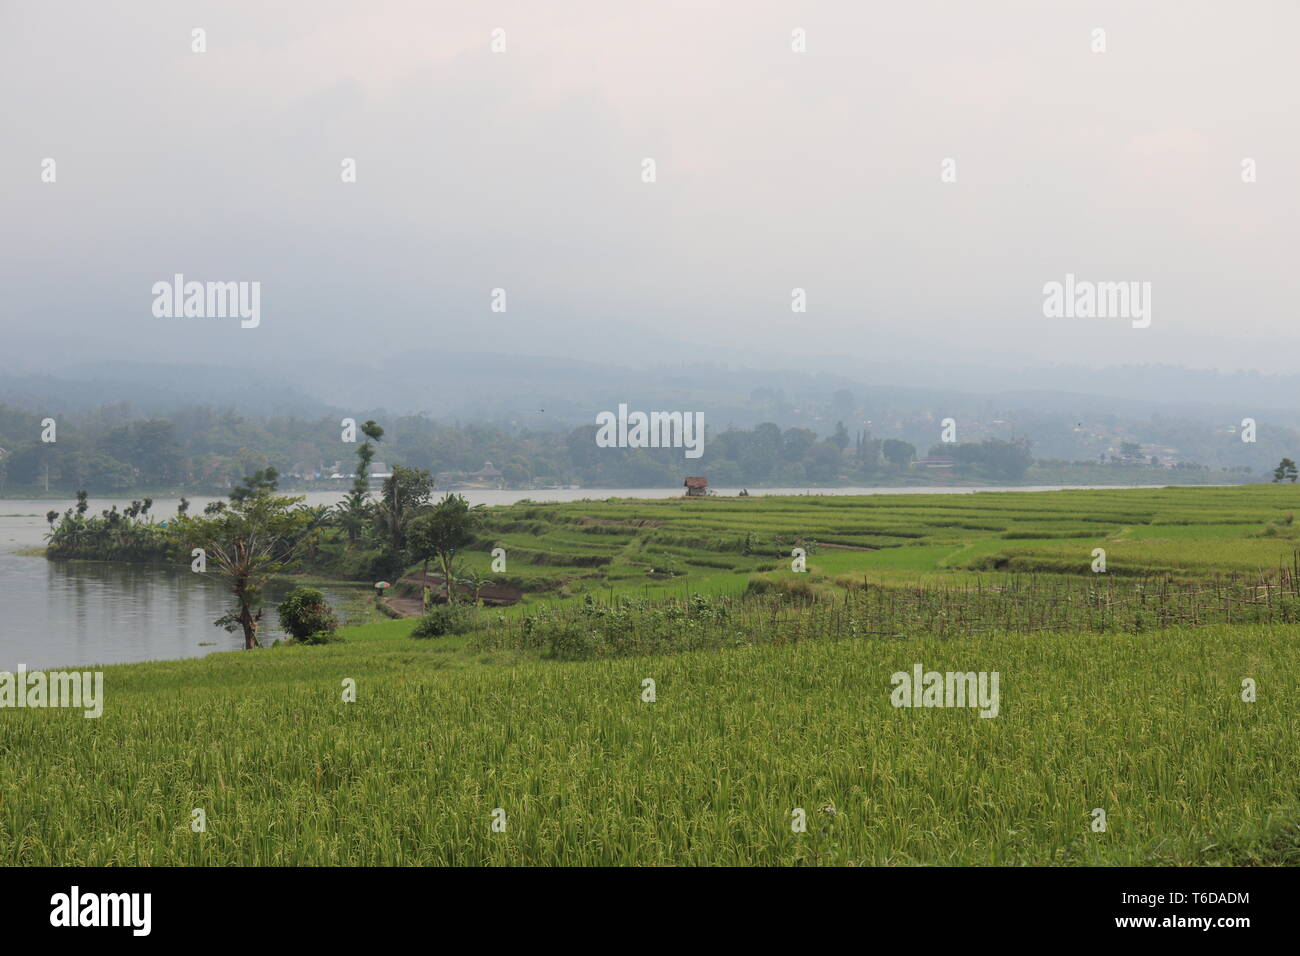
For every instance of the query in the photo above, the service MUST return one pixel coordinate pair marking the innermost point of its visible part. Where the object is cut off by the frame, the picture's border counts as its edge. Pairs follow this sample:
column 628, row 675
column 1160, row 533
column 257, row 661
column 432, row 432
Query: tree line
column 208, row 451
column 258, row 533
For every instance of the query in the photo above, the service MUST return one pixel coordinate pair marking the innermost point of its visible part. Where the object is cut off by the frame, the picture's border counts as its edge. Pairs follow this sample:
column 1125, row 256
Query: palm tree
column 472, row 581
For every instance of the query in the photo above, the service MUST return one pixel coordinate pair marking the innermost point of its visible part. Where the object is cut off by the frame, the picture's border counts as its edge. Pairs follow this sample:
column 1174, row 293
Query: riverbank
column 1100, row 476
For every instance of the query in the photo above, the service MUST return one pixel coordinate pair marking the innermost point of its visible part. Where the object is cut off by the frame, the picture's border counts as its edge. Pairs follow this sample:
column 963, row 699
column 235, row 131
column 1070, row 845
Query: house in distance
column 696, row 487
column 488, row 476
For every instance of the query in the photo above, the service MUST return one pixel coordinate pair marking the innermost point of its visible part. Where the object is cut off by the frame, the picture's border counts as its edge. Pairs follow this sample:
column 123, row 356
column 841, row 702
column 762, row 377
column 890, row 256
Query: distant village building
column 378, row 470
column 488, row 476
column 935, row 461
column 486, row 473
column 696, row 487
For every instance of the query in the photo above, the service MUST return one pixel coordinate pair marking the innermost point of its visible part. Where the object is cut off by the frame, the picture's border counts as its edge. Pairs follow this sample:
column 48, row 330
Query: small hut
column 696, row 487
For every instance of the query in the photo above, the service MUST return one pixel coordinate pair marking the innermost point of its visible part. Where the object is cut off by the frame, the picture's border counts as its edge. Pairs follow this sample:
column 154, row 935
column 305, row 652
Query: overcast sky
column 775, row 170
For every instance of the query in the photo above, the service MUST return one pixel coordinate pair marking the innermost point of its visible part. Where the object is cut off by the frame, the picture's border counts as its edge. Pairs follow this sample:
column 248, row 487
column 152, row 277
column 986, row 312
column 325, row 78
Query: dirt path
column 404, row 607
column 492, row 594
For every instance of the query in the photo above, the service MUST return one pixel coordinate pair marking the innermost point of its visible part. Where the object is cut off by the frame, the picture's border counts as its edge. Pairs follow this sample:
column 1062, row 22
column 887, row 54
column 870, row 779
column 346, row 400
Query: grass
column 1120, row 691
column 1149, row 727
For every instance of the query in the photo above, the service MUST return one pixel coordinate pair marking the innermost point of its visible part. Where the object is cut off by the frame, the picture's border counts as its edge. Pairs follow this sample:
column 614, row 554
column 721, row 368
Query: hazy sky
column 775, row 170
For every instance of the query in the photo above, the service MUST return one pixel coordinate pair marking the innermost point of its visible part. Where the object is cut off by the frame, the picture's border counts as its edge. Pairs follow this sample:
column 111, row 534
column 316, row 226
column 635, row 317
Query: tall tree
column 446, row 529
column 247, row 544
column 258, row 482
column 405, row 494
column 354, row 506
column 897, row 452
column 841, row 437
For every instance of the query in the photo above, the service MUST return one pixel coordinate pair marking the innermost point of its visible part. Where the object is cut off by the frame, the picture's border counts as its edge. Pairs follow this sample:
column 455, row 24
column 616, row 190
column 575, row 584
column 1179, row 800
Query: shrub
column 369, row 566
column 321, row 637
column 621, row 628
column 574, row 643
column 443, row 619
column 305, row 615
column 784, row 589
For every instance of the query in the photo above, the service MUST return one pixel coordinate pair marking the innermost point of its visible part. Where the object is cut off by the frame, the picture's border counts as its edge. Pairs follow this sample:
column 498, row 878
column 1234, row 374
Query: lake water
column 79, row 613
column 65, row 613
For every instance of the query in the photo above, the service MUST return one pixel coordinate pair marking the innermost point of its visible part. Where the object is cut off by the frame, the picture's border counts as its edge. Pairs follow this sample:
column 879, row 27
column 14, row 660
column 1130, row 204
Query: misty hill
column 1192, row 417
column 537, row 391
column 152, row 388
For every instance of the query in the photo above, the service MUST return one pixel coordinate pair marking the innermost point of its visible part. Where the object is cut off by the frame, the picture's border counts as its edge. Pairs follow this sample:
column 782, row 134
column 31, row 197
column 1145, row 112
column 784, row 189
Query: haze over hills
column 485, row 386
column 1172, row 414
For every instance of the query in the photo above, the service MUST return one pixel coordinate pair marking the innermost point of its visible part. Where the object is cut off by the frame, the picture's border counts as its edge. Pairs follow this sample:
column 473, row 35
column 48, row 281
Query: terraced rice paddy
column 762, row 706
column 713, row 545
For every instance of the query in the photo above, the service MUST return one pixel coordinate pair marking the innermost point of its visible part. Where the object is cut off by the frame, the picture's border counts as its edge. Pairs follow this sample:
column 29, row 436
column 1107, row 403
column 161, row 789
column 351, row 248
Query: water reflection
column 79, row 613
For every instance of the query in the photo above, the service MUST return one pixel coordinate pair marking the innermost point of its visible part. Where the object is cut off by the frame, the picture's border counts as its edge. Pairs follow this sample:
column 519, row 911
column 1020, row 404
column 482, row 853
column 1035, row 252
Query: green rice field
column 532, row 740
column 713, row 545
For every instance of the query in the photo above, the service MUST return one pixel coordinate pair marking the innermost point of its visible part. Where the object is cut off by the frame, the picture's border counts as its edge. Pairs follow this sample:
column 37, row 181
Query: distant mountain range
column 541, row 392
